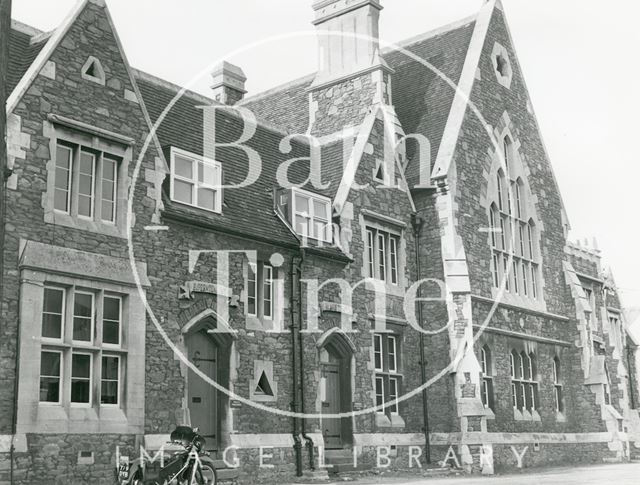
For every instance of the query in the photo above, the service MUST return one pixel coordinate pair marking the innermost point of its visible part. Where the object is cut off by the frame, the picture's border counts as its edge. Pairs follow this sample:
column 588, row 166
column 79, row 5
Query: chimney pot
column 228, row 83
column 348, row 37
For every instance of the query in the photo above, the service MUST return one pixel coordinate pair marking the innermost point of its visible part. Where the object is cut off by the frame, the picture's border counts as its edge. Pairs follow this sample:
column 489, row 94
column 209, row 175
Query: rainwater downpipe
column 417, row 223
column 295, row 296
column 308, row 441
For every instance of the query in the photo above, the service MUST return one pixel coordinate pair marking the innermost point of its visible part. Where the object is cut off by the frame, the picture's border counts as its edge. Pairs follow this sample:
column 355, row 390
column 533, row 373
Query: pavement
column 618, row 474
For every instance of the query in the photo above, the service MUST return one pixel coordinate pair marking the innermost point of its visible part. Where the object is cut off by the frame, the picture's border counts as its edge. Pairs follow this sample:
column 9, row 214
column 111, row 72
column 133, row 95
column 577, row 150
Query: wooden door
column 332, row 427
column 202, row 396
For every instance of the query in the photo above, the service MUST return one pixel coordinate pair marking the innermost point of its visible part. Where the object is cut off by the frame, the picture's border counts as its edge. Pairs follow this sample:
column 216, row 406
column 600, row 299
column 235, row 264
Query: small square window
column 311, row 215
column 196, row 181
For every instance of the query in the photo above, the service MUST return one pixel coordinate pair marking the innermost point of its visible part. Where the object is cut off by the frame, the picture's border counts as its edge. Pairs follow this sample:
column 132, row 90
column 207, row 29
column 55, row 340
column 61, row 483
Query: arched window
column 607, row 386
column 513, row 230
column 517, row 189
column 500, row 189
column 524, row 386
column 486, row 392
column 557, row 386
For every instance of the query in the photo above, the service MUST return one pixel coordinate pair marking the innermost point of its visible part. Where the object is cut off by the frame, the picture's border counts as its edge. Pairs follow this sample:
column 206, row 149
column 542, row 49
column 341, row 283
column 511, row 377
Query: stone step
column 436, row 471
column 345, row 469
column 227, row 474
column 313, row 476
column 338, row 454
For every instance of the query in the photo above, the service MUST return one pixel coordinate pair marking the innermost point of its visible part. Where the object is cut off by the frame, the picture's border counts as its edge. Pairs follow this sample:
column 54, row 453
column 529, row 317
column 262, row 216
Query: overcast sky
column 579, row 58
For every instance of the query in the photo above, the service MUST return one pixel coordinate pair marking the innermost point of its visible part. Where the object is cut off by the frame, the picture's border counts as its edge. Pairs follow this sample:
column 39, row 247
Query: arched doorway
column 336, row 356
column 209, row 350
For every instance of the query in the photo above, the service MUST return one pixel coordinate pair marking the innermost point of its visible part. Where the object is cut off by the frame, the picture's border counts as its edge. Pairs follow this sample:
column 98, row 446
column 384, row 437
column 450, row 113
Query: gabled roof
column 286, row 106
column 25, row 43
column 246, row 211
column 38, row 61
column 421, row 97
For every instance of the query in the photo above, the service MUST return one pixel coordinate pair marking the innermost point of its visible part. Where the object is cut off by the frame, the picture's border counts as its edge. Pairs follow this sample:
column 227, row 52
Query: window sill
column 388, row 288
column 389, row 421
column 508, row 298
column 525, row 415
column 261, row 324
column 77, row 419
column 66, row 220
column 196, row 208
column 264, row 399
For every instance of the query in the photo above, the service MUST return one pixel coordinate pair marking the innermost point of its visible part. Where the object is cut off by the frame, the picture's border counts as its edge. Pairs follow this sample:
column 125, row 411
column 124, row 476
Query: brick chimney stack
column 228, row 83
column 348, row 37
column 352, row 75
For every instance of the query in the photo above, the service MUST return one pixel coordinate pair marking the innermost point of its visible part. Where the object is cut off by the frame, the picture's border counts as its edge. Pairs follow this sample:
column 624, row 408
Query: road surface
column 617, row 474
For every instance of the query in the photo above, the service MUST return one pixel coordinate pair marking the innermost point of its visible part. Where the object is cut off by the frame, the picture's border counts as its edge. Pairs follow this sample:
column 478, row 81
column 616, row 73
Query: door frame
column 218, row 401
column 336, row 342
column 224, row 338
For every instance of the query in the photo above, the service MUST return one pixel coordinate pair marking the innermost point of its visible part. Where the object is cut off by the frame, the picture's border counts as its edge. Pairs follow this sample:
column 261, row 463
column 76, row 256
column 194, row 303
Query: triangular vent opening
column 93, row 70
column 264, row 387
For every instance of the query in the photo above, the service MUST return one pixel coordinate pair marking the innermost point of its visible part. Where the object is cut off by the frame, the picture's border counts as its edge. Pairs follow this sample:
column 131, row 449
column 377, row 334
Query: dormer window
column 196, row 181
column 311, row 215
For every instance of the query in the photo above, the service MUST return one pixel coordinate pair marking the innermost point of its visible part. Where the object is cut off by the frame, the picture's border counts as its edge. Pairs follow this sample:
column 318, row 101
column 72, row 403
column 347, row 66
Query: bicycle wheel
column 206, row 475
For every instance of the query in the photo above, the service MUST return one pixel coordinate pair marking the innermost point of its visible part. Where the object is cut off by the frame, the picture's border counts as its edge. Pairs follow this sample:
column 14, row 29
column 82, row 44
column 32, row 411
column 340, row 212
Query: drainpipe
column 417, row 223
column 295, row 335
column 5, row 27
column 308, row 441
column 632, row 390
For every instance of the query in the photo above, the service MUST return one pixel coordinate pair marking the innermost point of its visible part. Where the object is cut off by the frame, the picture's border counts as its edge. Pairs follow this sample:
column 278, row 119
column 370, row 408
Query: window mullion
column 68, row 314
column 259, row 290
column 75, row 181
column 99, row 316
column 97, row 196
column 194, row 181
column 95, row 384
column 312, row 219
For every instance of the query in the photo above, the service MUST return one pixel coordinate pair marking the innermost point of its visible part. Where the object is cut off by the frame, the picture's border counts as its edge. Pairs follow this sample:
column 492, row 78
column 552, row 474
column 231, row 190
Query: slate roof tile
column 21, row 55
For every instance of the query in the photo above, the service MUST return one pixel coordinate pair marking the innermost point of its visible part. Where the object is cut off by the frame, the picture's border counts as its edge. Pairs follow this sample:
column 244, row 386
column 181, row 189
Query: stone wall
column 557, row 321
column 61, row 90
column 66, row 459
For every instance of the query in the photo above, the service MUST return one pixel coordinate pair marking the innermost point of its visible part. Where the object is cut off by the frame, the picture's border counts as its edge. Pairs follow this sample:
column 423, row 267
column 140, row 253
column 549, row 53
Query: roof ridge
column 390, row 48
column 25, row 28
column 431, row 33
column 278, row 88
column 146, row 76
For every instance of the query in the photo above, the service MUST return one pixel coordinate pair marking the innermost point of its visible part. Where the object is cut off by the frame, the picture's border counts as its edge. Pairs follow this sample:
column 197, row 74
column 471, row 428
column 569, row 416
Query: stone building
column 151, row 278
